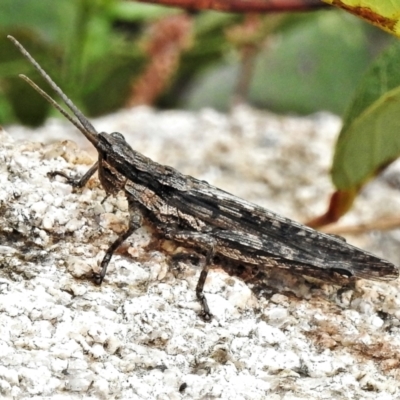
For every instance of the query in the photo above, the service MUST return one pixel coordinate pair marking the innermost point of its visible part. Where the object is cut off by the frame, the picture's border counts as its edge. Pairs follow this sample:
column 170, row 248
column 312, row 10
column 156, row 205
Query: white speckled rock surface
column 138, row 336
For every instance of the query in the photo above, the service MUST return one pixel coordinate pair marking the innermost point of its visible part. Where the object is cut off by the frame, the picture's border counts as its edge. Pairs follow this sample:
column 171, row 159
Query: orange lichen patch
column 328, row 334
column 322, row 339
column 388, row 24
column 383, row 352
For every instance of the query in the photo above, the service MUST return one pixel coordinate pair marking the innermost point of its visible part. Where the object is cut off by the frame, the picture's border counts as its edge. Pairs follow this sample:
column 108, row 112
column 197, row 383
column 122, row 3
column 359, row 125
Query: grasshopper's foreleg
column 81, row 182
column 135, row 220
column 203, row 241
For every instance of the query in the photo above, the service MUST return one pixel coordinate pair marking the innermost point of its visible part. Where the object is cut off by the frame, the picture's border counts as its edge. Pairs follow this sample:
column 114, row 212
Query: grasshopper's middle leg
column 135, row 222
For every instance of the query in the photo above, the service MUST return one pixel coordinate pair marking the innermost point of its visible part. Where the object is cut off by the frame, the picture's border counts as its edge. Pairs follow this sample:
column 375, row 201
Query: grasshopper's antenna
column 83, row 125
column 53, row 102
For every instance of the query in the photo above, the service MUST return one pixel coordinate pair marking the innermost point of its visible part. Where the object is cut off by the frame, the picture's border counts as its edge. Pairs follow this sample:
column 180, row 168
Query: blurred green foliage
column 92, row 48
column 312, row 62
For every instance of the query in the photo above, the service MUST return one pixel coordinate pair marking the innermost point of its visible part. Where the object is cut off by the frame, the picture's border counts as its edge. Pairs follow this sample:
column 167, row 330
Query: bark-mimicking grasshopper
column 191, row 211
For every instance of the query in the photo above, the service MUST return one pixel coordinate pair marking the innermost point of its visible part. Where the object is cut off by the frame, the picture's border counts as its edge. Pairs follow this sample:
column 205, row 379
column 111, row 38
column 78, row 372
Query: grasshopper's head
column 115, row 148
column 110, row 142
column 111, row 179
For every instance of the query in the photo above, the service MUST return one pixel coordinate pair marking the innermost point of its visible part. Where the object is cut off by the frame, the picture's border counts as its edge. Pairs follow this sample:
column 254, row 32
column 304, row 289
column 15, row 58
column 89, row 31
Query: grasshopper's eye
column 118, row 135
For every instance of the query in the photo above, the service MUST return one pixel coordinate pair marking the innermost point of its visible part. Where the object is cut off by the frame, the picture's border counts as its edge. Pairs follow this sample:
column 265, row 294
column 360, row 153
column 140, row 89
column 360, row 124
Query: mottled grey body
column 242, row 231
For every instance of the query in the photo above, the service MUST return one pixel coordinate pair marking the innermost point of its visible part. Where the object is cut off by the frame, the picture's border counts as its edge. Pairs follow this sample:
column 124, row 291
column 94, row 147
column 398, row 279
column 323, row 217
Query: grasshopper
column 214, row 222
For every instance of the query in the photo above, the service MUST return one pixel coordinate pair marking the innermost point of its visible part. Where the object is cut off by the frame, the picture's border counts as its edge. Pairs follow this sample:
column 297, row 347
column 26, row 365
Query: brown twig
column 168, row 38
column 245, row 35
column 249, row 37
column 381, row 225
column 243, row 6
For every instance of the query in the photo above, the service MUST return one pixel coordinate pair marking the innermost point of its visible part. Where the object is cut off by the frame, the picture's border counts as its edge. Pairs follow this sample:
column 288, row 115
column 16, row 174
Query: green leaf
column 370, row 137
column 382, row 13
